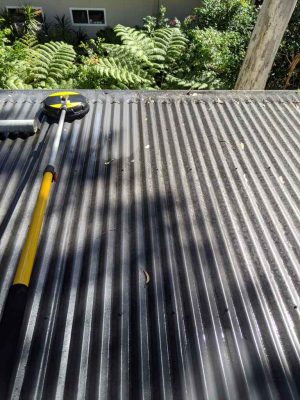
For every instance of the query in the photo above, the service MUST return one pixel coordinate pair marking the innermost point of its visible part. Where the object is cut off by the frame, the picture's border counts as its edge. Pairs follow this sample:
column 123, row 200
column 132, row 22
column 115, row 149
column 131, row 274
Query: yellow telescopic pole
column 24, row 269
column 68, row 106
column 25, row 265
column 14, row 308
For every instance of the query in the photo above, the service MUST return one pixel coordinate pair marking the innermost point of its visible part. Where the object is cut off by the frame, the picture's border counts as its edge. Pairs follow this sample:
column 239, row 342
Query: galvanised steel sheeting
column 169, row 261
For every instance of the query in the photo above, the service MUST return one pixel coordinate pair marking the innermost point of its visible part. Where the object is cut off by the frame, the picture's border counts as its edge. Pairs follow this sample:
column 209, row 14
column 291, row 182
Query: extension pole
column 14, row 308
column 24, row 125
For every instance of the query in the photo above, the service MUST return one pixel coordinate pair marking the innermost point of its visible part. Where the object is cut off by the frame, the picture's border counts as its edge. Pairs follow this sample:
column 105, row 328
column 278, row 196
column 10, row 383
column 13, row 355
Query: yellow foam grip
column 24, row 268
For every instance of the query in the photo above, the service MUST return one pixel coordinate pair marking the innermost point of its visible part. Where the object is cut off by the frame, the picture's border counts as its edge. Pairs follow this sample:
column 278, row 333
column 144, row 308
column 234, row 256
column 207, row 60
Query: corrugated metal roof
column 197, row 193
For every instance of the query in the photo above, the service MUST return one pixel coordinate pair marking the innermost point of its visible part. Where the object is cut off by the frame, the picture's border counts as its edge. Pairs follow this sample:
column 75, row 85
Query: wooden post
column 271, row 24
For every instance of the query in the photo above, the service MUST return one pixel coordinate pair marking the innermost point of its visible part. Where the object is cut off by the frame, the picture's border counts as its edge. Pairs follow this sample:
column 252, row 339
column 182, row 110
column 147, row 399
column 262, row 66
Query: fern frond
column 14, row 82
column 123, row 73
column 51, row 63
column 138, row 43
column 29, row 41
column 169, row 45
column 125, row 53
column 172, row 82
column 165, row 47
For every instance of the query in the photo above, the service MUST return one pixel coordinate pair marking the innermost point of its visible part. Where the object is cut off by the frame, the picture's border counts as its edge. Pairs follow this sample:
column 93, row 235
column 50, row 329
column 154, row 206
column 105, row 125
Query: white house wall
column 126, row 12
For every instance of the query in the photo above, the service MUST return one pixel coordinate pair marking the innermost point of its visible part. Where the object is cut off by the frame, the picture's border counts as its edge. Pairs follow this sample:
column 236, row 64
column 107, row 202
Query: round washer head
column 76, row 105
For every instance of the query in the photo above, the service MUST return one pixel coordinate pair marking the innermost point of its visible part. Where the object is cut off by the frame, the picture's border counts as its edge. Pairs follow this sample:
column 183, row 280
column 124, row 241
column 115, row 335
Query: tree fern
column 29, row 41
column 51, row 63
column 169, row 44
column 157, row 54
column 126, row 53
column 15, row 82
column 137, row 42
column 128, row 74
column 164, row 47
column 173, row 82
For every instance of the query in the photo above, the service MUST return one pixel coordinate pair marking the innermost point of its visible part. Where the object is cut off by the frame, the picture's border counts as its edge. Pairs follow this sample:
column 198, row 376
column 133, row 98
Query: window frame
column 87, row 9
column 20, row 7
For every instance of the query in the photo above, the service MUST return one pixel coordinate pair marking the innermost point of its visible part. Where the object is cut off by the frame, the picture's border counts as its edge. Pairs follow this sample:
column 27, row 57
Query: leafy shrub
column 12, row 62
column 223, row 15
column 218, row 33
column 29, row 22
column 151, row 23
column 214, row 57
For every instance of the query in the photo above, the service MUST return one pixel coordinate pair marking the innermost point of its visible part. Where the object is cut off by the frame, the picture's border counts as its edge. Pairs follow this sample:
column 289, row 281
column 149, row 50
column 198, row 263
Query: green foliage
column 26, row 64
column 128, row 74
column 169, row 45
column 52, row 65
column 5, row 55
column 162, row 21
column 157, row 52
column 205, row 52
column 151, row 23
column 223, row 15
column 136, row 42
column 6, row 22
column 31, row 25
column 175, row 82
column 218, row 33
column 15, row 80
column 28, row 24
column 119, row 66
column 92, row 48
column 215, row 57
column 87, row 76
column 141, row 61
column 12, row 62
column 29, row 41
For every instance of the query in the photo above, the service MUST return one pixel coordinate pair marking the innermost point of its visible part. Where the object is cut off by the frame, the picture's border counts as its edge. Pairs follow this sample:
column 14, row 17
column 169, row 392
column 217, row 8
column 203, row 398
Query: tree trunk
column 271, row 24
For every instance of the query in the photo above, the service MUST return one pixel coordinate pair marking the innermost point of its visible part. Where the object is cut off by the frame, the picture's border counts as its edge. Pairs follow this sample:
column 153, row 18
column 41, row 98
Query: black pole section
column 10, row 327
column 26, row 175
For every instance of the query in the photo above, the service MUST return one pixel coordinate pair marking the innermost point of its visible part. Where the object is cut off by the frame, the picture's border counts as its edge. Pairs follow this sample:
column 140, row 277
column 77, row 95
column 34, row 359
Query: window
column 17, row 13
column 88, row 16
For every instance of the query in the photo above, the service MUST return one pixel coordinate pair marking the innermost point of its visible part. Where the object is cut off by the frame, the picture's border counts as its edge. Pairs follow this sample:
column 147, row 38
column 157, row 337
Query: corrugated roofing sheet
column 168, row 266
